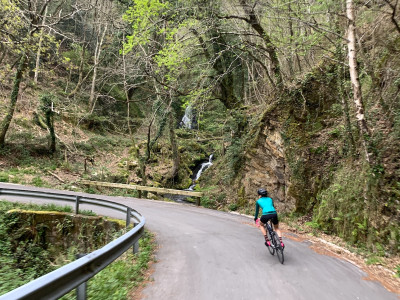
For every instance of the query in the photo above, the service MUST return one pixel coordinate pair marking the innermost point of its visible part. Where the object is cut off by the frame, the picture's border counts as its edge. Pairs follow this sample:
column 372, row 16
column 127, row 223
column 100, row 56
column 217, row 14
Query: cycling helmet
column 262, row 192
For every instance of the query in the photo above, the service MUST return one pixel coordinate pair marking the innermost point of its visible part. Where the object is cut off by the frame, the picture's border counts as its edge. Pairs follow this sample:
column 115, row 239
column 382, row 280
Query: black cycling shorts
column 274, row 218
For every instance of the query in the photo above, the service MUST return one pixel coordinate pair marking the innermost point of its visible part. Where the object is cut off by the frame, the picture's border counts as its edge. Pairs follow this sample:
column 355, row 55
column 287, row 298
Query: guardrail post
column 136, row 247
column 128, row 221
column 136, row 244
column 128, row 216
column 77, row 204
column 82, row 288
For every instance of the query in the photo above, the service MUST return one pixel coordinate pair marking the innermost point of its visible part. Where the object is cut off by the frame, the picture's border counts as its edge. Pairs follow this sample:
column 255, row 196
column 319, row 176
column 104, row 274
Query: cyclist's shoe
column 282, row 245
column 268, row 243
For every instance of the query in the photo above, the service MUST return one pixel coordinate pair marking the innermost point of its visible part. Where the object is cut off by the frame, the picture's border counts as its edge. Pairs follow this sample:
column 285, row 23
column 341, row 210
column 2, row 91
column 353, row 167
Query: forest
column 299, row 97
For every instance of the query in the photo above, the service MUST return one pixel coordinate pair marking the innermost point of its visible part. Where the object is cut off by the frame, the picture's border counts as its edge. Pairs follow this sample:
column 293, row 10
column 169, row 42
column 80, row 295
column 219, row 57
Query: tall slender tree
column 355, row 80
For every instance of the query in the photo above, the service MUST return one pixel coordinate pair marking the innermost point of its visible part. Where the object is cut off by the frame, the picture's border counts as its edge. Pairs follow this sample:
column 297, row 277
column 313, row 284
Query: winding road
column 206, row 254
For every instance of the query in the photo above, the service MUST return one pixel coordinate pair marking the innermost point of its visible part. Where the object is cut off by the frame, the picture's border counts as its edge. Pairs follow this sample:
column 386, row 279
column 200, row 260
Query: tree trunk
column 96, row 63
column 340, row 69
column 292, row 39
column 4, row 53
column 346, row 117
column 174, row 146
column 355, row 81
column 50, row 125
column 81, row 79
column 270, row 47
column 35, row 78
column 92, row 89
column 128, row 108
column 14, row 97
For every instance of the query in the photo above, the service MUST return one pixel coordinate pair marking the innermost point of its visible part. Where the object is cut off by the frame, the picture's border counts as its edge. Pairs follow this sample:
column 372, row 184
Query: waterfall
column 204, row 166
column 189, row 119
column 196, row 176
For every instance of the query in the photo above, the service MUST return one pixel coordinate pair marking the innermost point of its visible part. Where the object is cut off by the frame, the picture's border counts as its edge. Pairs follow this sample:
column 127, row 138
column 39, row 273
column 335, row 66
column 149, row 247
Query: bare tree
column 355, row 80
column 255, row 23
column 393, row 4
column 37, row 66
column 99, row 30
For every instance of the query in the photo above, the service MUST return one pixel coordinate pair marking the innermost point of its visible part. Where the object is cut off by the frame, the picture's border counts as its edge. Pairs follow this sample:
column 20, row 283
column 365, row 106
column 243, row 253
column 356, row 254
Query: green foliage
column 18, row 255
column 234, row 158
column 126, row 273
column 213, row 119
column 171, row 57
column 208, row 202
column 12, row 20
column 24, row 258
column 337, row 132
column 348, row 208
column 98, row 123
column 319, row 149
column 72, row 57
column 37, row 181
column 142, row 16
column 336, row 110
column 47, row 102
column 235, row 154
column 313, row 224
column 374, row 260
column 322, row 12
column 159, row 109
column 4, row 177
column 233, row 207
column 102, row 142
column 341, row 206
column 47, row 105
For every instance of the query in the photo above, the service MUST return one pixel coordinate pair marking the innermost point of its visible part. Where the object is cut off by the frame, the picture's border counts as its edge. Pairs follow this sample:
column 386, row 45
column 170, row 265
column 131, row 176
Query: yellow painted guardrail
column 142, row 188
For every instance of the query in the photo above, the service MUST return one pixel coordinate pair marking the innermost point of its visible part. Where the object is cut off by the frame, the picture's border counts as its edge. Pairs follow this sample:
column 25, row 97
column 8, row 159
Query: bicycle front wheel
column 278, row 247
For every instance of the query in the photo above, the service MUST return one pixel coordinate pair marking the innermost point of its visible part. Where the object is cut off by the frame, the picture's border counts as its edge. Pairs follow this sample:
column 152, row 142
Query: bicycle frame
column 275, row 245
column 270, row 229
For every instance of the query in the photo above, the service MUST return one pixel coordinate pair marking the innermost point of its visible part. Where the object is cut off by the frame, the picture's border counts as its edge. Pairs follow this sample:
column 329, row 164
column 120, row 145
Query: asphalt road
column 205, row 254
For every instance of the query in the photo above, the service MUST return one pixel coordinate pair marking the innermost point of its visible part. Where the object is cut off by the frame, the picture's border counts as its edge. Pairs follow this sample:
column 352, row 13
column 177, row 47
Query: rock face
column 288, row 170
column 57, row 231
column 265, row 166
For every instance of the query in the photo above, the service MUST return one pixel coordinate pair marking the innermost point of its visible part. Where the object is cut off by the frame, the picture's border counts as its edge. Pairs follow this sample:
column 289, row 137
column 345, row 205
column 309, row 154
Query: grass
column 29, row 171
column 119, row 279
column 374, row 260
column 6, row 205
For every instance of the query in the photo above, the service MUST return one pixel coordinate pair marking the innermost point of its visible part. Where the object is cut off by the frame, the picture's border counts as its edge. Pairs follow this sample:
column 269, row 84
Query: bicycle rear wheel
column 278, row 247
column 271, row 248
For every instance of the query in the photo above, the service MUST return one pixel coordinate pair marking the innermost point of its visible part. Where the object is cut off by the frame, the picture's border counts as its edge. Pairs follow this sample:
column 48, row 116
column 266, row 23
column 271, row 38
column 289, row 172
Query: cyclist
column 268, row 212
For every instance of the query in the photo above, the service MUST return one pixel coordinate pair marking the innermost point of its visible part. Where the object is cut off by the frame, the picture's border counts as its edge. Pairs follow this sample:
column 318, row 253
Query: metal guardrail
column 59, row 282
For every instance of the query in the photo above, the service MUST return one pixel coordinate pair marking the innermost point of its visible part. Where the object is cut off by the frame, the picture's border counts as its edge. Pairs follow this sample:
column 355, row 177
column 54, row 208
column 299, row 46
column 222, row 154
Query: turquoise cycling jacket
column 267, row 206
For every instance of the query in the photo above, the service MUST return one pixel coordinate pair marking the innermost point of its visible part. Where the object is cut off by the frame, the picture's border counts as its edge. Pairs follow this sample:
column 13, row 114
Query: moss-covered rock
column 57, row 231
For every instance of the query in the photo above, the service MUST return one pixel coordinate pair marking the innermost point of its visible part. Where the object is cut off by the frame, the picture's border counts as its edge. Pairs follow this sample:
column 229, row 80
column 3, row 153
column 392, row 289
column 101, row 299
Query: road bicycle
column 275, row 243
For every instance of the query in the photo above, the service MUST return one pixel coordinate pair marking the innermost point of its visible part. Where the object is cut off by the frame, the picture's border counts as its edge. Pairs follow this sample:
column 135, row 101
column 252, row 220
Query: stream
column 198, row 170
